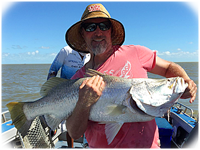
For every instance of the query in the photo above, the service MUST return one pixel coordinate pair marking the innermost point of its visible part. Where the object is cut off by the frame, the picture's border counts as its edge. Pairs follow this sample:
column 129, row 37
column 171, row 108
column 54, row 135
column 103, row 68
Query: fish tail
column 18, row 117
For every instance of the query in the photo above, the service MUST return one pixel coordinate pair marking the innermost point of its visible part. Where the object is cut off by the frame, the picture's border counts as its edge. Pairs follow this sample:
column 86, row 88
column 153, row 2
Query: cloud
column 31, row 57
column 178, row 56
column 53, row 54
column 5, row 54
column 43, row 47
column 162, row 53
column 33, row 53
column 167, row 53
column 18, row 47
column 180, row 53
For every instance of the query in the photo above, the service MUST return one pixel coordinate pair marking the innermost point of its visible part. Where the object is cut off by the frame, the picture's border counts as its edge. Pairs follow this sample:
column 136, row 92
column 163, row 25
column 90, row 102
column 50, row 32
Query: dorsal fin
column 49, row 84
column 91, row 73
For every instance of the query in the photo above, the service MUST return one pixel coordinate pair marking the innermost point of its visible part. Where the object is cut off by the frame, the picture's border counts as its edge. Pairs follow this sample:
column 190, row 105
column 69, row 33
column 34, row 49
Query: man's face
column 97, row 41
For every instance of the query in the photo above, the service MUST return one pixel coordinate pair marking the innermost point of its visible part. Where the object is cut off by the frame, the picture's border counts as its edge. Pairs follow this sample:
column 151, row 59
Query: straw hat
column 73, row 36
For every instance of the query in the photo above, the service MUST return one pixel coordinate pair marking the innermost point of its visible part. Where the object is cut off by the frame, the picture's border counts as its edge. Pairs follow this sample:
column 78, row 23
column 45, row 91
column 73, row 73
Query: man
column 69, row 61
column 103, row 36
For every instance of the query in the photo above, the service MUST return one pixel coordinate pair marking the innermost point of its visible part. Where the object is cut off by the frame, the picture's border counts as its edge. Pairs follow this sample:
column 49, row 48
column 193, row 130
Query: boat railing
column 179, row 107
column 3, row 116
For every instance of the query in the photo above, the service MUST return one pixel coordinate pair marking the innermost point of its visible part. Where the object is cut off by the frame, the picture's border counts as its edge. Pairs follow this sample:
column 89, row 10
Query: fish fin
column 91, row 73
column 52, row 121
column 49, row 84
column 18, row 117
column 111, row 130
column 106, row 122
column 115, row 110
column 102, row 122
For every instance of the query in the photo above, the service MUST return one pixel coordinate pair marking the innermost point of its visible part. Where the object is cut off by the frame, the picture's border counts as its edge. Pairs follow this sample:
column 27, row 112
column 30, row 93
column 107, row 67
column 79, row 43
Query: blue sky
column 34, row 32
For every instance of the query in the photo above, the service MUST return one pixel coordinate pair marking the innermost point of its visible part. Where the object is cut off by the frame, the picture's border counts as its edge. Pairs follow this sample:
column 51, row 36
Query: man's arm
column 57, row 63
column 170, row 69
column 89, row 93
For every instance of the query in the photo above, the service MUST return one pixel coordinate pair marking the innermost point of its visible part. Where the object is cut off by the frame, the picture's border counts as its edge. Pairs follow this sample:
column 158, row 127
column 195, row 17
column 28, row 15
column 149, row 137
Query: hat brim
column 75, row 40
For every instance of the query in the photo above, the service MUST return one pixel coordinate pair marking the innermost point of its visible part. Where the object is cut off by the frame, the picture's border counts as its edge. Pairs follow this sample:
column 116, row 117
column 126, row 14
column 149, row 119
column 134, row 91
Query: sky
column 34, row 32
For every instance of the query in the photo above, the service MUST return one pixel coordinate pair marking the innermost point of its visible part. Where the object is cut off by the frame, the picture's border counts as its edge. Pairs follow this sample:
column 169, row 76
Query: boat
column 177, row 129
column 185, row 125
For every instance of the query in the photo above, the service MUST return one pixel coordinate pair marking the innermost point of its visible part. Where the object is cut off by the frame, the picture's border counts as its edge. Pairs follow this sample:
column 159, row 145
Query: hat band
column 93, row 17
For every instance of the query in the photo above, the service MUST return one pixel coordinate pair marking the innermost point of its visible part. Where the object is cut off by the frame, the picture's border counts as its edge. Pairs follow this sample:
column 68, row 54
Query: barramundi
column 122, row 100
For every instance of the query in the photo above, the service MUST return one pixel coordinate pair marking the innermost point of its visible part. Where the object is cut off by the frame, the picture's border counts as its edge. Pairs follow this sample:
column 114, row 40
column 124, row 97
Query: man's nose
column 98, row 31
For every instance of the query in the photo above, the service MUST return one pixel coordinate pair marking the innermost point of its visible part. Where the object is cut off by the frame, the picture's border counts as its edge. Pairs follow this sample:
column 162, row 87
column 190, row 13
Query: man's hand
column 191, row 90
column 91, row 90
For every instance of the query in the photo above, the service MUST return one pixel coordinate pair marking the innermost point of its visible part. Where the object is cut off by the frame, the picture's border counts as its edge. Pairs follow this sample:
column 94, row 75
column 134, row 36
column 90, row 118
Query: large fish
column 123, row 100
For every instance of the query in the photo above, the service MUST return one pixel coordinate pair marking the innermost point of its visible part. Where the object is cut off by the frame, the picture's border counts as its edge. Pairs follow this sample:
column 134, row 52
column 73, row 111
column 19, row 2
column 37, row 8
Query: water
column 23, row 82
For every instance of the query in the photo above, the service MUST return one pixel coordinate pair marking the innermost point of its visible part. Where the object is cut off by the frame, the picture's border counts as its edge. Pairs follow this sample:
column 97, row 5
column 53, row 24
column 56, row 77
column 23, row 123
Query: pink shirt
column 127, row 62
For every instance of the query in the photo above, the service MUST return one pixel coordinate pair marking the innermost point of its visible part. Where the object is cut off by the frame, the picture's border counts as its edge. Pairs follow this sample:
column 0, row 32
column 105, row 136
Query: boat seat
column 6, row 126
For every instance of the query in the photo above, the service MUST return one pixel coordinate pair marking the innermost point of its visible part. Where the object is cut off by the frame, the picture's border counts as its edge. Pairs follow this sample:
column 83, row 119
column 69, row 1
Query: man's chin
column 99, row 52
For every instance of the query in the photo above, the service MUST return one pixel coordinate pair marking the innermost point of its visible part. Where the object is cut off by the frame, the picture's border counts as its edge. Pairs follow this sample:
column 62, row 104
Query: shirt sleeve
column 147, row 57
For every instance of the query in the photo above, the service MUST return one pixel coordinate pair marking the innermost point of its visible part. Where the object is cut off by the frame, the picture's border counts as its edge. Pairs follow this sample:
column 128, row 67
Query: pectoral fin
column 111, row 130
column 52, row 121
column 115, row 110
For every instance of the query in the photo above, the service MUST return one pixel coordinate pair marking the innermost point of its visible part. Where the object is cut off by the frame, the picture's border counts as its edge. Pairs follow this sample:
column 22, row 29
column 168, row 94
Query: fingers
column 102, row 85
column 91, row 90
column 83, row 83
column 191, row 91
column 96, row 82
column 192, row 99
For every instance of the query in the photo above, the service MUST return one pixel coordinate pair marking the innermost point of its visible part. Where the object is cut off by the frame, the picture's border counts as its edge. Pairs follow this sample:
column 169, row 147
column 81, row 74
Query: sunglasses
column 90, row 27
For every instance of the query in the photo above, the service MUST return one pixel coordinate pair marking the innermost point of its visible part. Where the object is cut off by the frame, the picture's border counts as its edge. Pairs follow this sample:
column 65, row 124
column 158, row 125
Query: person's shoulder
column 132, row 46
column 136, row 47
column 127, row 48
column 67, row 49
